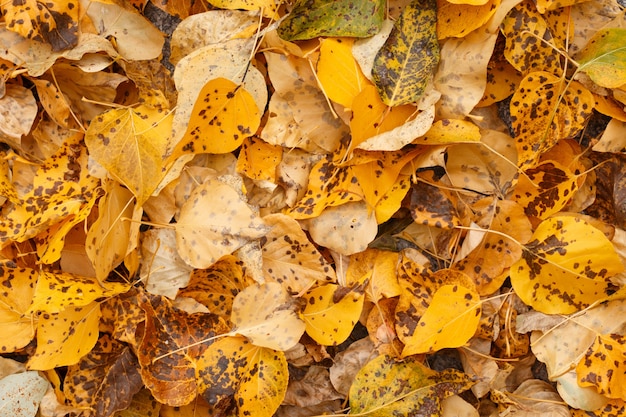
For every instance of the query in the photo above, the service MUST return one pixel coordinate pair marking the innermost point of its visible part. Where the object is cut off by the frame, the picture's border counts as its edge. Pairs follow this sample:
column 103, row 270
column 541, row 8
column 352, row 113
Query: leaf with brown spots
column 215, row 221
column 386, row 386
column 565, row 267
column 55, row 292
column 170, row 344
column 55, row 23
column 17, row 286
column 604, row 365
column 258, row 160
column 252, row 378
column 545, row 109
column 217, row 286
column 331, row 312
column 131, row 144
column 223, row 115
column 105, row 379
column 405, row 64
column 64, row 337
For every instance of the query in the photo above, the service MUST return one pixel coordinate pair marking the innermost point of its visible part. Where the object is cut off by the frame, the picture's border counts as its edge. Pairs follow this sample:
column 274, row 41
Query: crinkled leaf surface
column 386, row 387
column 405, row 64
column 565, row 267
column 310, row 19
column 105, row 379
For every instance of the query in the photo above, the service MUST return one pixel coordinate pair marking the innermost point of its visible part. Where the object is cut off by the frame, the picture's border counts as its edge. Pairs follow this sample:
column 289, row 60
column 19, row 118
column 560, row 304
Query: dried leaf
column 209, row 227
column 603, row 364
column 16, row 326
column 18, row 110
column 21, row 393
column 405, row 64
column 255, row 376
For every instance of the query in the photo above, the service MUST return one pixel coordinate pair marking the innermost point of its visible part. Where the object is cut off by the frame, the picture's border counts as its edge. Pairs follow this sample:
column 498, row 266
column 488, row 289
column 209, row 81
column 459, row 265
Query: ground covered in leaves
column 255, row 208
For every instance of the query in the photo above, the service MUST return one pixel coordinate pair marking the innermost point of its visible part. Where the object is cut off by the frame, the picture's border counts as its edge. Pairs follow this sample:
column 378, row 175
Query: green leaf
column 604, row 58
column 385, row 387
column 310, row 19
column 405, row 64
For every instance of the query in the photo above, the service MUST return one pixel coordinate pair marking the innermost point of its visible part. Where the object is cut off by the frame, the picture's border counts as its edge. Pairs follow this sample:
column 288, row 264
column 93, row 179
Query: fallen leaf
column 603, row 58
column 18, row 288
column 21, row 393
column 404, row 65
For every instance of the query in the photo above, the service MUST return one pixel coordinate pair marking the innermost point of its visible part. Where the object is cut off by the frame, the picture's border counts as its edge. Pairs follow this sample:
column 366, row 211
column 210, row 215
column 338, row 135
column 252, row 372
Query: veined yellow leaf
column 604, row 58
column 17, row 325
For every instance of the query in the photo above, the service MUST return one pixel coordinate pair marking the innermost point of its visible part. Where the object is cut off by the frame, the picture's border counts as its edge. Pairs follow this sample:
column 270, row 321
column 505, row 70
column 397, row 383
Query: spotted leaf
column 332, row 311
column 386, row 387
column 131, row 144
column 268, row 7
column 214, row 222
column 16, row 326
column 169, row 346
column 603, row 365
column 259, row 160
column 310, row 19
column 223, row 115
column 565, row 267
column 253, row 378
column 543, row 110
column 55, row 23
column 405, row 64
column 64, row 337
column 105, row 379
column 458, row 20
column 265, row 315
column 217, row 286
column 604, row 58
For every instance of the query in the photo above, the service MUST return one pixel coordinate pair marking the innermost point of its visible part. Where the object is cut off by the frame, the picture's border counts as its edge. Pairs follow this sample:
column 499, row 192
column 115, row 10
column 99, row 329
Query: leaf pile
column 290, row 208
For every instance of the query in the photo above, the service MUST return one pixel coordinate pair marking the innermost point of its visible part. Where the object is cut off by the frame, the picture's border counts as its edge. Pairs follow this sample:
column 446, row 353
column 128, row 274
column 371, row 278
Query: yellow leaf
column 546, row 189
column 389, row 387
column 256, row 376
column 379, row 268
column 64, row 337
column 214, row 222
column 268, row 7
column 450, row 131
column 17, row 326
column 543, row 110
column 131, row 144
column 565, row 267
column 338, row 72
column 57, row 291
column 290, row 259
column 55, row 23
column 222, row 117
column 457, row 19
column 331, row 312
column 450, row 321
column 265, row 315
column 258, row 159
column 108, row 238
column 603, row 58
column 604, row 366
column 371, row 117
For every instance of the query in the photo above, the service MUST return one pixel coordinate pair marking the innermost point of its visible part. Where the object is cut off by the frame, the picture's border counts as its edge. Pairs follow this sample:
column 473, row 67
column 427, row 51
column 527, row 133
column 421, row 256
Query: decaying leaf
column 404, row 65
column 385, row 387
